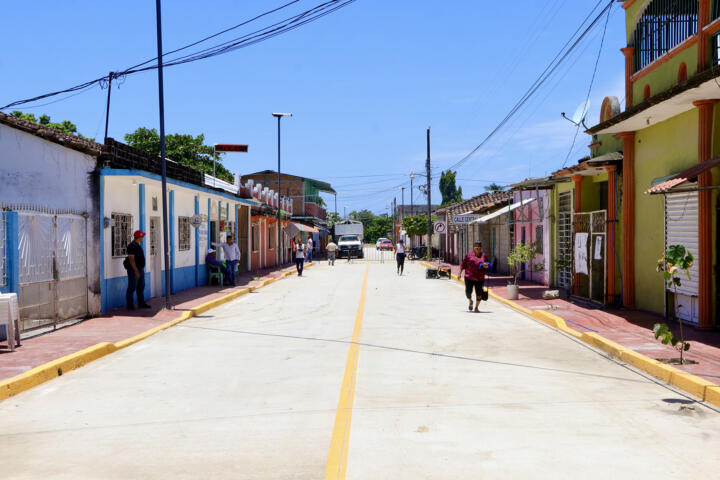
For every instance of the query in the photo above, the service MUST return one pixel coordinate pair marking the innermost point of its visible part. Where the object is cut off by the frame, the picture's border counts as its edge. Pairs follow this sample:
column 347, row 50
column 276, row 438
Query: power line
column 252, row 38
column 544, row 76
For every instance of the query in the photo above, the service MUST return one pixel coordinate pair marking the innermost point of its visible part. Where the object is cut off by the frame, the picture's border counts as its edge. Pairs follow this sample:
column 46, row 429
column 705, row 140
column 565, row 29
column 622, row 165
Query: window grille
column 255, row 240
column 121, row 234
column 183, row 233
column 664, row 25
column 271, row 237
column 716, row 48
column 715, row 9
column 154, row 235
column 539, row 239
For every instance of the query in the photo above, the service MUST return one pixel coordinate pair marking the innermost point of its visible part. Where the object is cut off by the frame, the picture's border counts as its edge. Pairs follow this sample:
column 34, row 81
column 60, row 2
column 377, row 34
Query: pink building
column 531, row 225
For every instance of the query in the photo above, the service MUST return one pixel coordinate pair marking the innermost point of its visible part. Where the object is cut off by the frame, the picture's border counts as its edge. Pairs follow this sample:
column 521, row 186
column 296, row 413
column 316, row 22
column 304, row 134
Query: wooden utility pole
column 429, row 190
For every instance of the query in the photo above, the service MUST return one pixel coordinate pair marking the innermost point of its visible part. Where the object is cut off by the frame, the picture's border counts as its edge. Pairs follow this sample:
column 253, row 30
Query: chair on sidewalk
column 215, row 272
column 9, row 319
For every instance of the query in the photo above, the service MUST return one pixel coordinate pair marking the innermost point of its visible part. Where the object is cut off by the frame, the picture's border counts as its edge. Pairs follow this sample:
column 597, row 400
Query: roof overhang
column 661, row 107
column 543, row 183
column 669, row 184
column 502, row 211
column 591, row 167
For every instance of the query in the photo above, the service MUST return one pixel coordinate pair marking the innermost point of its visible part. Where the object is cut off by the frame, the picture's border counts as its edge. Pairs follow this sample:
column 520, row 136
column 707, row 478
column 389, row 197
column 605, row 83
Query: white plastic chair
column 9, row 316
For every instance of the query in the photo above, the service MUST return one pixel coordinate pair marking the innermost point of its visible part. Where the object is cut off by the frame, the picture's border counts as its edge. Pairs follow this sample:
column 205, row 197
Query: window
column 3, row 248
column 271, row 237
column 183, row 233
column 539, row 239
column 663, row 26
column 255, row 239
column 121, row 234
column 154, row 235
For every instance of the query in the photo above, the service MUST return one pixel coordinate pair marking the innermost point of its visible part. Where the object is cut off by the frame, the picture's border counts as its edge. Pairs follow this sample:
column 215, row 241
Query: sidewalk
column 630, row 328
column 116, row 325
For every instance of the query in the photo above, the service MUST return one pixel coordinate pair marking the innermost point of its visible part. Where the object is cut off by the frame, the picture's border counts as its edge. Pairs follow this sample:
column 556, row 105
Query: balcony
column 314, row 210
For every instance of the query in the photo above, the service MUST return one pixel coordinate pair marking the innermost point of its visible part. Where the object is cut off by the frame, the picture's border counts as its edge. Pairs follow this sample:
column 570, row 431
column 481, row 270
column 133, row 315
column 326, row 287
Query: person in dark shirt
column 211, row 259
column 475, row 265
column 135, row 266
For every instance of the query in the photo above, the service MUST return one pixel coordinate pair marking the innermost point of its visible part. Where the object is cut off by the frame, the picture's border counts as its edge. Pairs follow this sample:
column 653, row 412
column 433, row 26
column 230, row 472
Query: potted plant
column 676, row 262
column 522, row 253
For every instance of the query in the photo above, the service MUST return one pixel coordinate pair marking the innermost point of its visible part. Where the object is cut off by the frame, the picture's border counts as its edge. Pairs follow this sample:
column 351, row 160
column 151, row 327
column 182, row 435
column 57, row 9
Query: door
column 564, row 236
column 681, row 228
column 155, row 258
column 52, row 269
column 589, row 255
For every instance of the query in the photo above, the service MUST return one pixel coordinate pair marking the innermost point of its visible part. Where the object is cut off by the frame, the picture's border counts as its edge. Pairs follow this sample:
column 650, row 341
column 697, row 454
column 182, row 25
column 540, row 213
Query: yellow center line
column 337, row 458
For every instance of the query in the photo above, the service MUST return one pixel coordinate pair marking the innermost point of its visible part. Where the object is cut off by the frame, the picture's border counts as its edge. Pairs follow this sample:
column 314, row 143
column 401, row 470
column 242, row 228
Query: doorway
column 155, row 260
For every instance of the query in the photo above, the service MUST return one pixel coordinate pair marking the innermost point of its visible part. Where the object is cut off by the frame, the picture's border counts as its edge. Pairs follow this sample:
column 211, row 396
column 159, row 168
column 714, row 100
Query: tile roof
column 50, row 134
column 683, row 176
column 477, row 204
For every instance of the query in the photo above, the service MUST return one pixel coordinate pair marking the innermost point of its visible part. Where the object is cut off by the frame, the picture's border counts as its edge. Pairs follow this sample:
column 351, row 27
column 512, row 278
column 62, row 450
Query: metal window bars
column 121, row 235
column 3, row 249
column 664, row 25
column 715, row 9
column 183, row 233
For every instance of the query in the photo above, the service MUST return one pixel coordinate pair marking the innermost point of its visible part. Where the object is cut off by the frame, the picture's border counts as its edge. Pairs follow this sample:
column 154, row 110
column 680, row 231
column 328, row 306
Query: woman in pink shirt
column 474, row 265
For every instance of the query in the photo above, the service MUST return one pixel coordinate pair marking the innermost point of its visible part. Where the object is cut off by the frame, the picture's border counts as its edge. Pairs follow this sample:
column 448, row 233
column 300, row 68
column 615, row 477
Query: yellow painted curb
column 55, row 368
column 712, row 395
column 692, row 384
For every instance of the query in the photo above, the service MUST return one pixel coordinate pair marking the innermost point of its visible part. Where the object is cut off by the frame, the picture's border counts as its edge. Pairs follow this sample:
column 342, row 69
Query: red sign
column 226, row 147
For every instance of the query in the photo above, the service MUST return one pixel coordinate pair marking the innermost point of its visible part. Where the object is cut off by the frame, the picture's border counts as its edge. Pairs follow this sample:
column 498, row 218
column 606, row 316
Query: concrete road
column 271, row 387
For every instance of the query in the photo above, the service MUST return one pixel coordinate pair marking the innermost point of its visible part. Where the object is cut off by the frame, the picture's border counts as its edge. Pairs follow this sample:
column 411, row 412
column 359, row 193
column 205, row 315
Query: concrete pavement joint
column 698, row 387
column 55, row 368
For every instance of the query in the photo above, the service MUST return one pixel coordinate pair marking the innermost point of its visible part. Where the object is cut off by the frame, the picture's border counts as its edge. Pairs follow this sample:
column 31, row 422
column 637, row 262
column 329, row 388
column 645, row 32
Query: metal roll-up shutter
column 681, row 228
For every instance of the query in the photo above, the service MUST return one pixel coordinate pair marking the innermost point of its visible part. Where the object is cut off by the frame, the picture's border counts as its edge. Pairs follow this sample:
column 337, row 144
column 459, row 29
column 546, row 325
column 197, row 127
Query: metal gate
column 564, row 264
column 590, row 244
column 681, row 228
column 52, row 268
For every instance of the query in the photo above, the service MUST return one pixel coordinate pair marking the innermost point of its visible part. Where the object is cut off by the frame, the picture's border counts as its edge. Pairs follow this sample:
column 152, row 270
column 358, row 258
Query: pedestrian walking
column 309, row 254
column 332, row 252
column 232, row 255
column 475, row 265
column 134, row 263
column 299, row 257
column 400, row 252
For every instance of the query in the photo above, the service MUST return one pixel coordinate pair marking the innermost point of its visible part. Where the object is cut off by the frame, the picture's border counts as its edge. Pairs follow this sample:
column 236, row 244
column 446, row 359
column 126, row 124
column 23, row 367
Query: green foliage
column 675, row 263
column 522, row 253
column 450, row 193
column 66, row 126
column 184, row 149
column 493, row 187
column 333, row 218
column 417, row 225
column 379, row 226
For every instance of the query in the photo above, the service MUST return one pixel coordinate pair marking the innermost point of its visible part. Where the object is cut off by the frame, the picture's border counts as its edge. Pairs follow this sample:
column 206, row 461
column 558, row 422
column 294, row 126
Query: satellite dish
column 580, row 113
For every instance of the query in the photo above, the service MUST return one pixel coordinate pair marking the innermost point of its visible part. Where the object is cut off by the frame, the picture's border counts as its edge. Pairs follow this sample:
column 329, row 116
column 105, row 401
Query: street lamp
column 277, row 245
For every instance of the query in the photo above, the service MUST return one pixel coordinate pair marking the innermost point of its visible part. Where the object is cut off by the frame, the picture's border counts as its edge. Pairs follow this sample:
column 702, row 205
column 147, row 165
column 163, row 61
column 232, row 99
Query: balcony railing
column 314, row 210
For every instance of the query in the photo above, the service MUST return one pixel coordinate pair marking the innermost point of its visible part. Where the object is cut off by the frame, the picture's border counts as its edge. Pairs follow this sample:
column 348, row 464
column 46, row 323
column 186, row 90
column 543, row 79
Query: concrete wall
column 48, row 175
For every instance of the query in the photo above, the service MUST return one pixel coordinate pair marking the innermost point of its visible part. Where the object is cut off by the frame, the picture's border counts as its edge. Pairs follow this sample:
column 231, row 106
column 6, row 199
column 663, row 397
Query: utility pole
column 163, row 161
column 429, row 190
column 402, row 207
column 107, row 109
column 394, row 218
column 412, row 194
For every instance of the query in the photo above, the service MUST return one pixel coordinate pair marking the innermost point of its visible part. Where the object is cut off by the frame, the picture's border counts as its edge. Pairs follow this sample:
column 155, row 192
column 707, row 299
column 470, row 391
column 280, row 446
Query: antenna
column 578, row 117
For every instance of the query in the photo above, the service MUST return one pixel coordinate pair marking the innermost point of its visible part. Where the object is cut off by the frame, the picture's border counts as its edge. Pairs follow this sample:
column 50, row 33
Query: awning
column 590, row 166
column 503, row 210
column 293, row 228
column 691, row 173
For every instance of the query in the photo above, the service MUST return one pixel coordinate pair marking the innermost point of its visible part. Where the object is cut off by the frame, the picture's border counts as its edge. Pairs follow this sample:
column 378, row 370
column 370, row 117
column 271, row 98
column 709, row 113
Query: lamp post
column 277, row 245
column 345, row 212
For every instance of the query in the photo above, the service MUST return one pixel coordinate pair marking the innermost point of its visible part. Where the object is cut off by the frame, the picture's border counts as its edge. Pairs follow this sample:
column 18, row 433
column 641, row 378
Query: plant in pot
column 675, row 263
column 522, row 253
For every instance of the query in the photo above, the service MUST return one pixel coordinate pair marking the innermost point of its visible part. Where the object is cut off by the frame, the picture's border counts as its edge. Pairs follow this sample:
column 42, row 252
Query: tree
column 676, row 261
column 333, row 218
column 450, row 193
column 493, row 187
column 184, row 149
column 380, row 226
column 66, row 126
column 417, row 225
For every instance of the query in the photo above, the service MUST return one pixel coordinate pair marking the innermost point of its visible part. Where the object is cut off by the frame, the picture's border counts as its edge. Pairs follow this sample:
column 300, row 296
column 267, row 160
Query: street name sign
column 228, row 147
column 464, row 219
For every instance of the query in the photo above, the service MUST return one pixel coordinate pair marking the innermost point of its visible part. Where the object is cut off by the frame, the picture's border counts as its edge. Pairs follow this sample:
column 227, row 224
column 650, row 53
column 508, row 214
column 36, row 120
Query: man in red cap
column 135, row 266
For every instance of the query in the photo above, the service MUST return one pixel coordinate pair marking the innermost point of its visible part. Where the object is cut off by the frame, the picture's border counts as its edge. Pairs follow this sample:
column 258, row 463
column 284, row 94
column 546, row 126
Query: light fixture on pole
column 277, row 245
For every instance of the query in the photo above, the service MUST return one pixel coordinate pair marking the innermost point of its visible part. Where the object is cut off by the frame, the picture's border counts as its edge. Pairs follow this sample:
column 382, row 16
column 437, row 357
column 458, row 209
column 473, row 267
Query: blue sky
column 363, row 84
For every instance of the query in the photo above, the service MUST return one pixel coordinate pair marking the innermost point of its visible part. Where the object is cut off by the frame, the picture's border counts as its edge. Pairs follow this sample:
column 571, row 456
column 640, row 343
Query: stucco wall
column 660, row 150
column 666, row 75
column 43, row 173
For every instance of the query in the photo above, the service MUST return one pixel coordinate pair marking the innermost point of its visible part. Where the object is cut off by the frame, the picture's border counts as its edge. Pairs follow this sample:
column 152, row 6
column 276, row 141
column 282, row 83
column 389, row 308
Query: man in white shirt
column 309, row 254
column 332, row 251
column 232, row 255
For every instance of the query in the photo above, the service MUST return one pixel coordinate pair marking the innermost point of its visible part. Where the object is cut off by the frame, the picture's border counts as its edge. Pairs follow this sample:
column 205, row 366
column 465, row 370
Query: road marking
column 337, row 458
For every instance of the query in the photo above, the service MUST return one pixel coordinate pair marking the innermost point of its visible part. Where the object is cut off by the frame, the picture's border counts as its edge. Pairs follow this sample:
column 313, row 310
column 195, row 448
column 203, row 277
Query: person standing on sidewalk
column 474, row 265
column 135, row 266
column 299, row 257
column 232, row 255
column 332, row 251
column 309, row 254
column 399, row 249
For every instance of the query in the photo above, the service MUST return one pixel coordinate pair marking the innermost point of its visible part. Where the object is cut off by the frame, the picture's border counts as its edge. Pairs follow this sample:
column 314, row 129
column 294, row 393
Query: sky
column 363, row 83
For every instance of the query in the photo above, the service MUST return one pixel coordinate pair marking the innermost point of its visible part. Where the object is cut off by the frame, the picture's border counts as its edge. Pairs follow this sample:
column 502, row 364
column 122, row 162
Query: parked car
column 384, row 244
column 379, row 241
